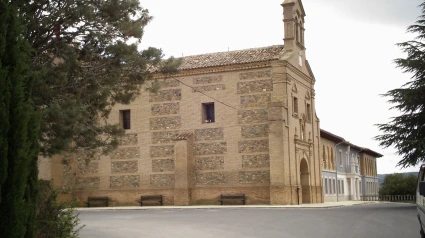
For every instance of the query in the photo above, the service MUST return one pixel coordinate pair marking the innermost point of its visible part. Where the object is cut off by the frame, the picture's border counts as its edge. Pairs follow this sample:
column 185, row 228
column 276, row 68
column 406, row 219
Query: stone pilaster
column 184, row 170
column 277, row 164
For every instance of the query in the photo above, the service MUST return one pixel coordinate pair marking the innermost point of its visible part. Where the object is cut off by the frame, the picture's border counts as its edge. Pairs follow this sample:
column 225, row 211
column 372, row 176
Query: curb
column 308, row 206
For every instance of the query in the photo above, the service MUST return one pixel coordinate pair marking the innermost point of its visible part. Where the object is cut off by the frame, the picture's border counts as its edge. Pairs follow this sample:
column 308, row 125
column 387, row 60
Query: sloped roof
column 232, row 57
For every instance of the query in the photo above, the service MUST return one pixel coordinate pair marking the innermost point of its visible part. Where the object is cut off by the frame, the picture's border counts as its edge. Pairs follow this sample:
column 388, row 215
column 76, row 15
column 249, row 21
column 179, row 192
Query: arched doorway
column 305, row 181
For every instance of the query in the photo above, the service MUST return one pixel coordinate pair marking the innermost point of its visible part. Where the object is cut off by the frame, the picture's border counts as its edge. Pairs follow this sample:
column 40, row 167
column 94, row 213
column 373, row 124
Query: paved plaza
column 349, row 219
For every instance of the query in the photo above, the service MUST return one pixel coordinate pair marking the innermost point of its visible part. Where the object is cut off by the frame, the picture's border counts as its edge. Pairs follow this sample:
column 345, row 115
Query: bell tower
column 293, row 19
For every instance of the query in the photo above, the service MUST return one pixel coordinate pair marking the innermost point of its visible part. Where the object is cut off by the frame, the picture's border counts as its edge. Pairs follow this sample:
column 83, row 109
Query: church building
column 228, row 123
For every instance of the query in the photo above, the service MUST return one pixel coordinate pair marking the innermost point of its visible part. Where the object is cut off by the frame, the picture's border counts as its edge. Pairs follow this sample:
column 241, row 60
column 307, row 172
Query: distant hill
column 381, row 177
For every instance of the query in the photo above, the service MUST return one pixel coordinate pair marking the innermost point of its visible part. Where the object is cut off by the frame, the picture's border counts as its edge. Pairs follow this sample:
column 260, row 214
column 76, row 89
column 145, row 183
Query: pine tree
column 407, row 131
column 20, row 151
column 83, row 65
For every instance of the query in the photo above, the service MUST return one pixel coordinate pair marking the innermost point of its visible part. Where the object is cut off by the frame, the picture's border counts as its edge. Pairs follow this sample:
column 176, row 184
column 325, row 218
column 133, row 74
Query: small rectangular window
column 326, row 185
column 308, row 112
column 338, row 185
column 125, row 119
column 340, row 158
column 208, row 113
column 295, row 105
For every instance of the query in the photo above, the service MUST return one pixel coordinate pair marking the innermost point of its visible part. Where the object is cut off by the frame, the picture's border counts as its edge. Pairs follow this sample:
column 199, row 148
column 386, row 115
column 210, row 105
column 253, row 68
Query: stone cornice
column 304, row 144
column 218, row 69
column 298, row 72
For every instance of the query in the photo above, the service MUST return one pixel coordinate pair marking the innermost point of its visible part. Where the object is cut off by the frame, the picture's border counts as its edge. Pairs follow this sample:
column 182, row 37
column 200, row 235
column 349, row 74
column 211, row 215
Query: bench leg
column 160, row 202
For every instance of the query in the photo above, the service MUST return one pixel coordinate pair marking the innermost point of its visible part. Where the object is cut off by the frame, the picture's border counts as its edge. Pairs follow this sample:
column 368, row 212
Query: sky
column 350, row 47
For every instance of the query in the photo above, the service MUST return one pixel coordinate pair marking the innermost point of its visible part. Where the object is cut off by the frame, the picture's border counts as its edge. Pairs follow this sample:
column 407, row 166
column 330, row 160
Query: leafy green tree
column 19, row 130
column 83, row 64
column 407, row 131
column 399, row 184
column 55, row 219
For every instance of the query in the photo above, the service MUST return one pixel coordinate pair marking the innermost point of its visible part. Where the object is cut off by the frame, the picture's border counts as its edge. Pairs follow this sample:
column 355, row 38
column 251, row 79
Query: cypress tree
column 4, row 97
column 19, row 136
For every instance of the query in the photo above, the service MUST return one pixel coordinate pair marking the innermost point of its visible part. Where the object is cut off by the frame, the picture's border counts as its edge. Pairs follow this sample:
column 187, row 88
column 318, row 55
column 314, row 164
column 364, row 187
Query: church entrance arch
column 305, row 181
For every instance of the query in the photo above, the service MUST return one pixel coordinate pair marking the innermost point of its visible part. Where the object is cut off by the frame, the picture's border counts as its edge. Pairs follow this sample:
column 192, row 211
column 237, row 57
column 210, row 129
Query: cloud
column 389, row 12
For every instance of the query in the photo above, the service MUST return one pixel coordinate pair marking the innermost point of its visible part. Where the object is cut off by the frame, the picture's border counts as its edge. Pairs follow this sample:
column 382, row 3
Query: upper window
column 308, row 112
column 125, row 119
column 295, row 106
column 340, row 158
column 208, row 113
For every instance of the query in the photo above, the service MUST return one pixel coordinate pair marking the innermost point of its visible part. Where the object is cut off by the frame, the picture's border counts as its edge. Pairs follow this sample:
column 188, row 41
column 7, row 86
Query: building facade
column 229, row 122
column 348, row 170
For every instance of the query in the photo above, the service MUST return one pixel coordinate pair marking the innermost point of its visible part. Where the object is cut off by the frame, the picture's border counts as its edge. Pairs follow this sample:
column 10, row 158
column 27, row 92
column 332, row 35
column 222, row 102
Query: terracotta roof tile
column 232, row 57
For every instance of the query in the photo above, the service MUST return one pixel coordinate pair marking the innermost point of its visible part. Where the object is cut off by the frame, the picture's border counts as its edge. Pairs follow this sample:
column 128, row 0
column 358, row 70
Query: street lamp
column 336, row 169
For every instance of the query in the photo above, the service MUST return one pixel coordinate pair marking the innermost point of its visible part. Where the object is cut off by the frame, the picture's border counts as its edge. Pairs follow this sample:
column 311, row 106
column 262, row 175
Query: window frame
column 208, row 112
column 295, row 106
column 125, row 119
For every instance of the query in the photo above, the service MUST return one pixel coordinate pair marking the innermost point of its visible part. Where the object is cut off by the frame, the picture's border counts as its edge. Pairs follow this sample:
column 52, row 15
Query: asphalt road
column 371, row 220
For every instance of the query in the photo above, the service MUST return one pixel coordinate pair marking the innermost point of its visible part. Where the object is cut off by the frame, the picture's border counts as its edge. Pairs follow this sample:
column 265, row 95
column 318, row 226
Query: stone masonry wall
column 162, row 165
column 208, row 79
column 210, row 148
column 211, row 178
column 253, row 131
column 251, row 146
column 164, row 137
column 168, row 83
column 165, row 109
column 255, row 86
column 166, row 95
column 125, row 181
column 126, row 153
column 162, row 180
column 124, row 167
column 162, row 151
column 256, row 161
column 129, row 139
column 254, row 177
column 257, row 100
column 210, row 163
column 209, row 134
column 85, row 168
column 255, row 75
column 209, row 88
column 164, row 123
column 253, row 116
column 84, row 183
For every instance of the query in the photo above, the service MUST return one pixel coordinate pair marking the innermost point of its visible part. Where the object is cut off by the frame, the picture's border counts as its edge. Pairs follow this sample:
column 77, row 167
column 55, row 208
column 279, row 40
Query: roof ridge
column 235, row 51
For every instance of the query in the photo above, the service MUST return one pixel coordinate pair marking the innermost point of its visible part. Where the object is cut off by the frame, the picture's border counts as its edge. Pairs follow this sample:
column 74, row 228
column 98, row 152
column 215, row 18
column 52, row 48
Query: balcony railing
column 389, row 198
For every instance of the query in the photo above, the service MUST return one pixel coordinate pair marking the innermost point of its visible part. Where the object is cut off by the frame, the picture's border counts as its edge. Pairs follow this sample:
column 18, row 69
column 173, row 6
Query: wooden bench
column 232, row 197
column 157, row 198
column 97, row 200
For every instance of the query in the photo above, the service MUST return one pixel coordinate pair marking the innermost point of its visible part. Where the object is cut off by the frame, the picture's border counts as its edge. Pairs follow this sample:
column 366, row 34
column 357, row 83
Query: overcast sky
column 350, row 47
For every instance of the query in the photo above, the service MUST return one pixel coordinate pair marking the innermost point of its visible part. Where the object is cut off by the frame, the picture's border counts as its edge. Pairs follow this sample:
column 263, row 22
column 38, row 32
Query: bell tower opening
column 293, row 18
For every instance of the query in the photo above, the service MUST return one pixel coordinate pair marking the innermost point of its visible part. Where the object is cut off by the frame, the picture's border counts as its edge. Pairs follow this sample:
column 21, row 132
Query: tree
column 399, row 184
column 18, row 130
column 407, row 131
column 83, row 65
